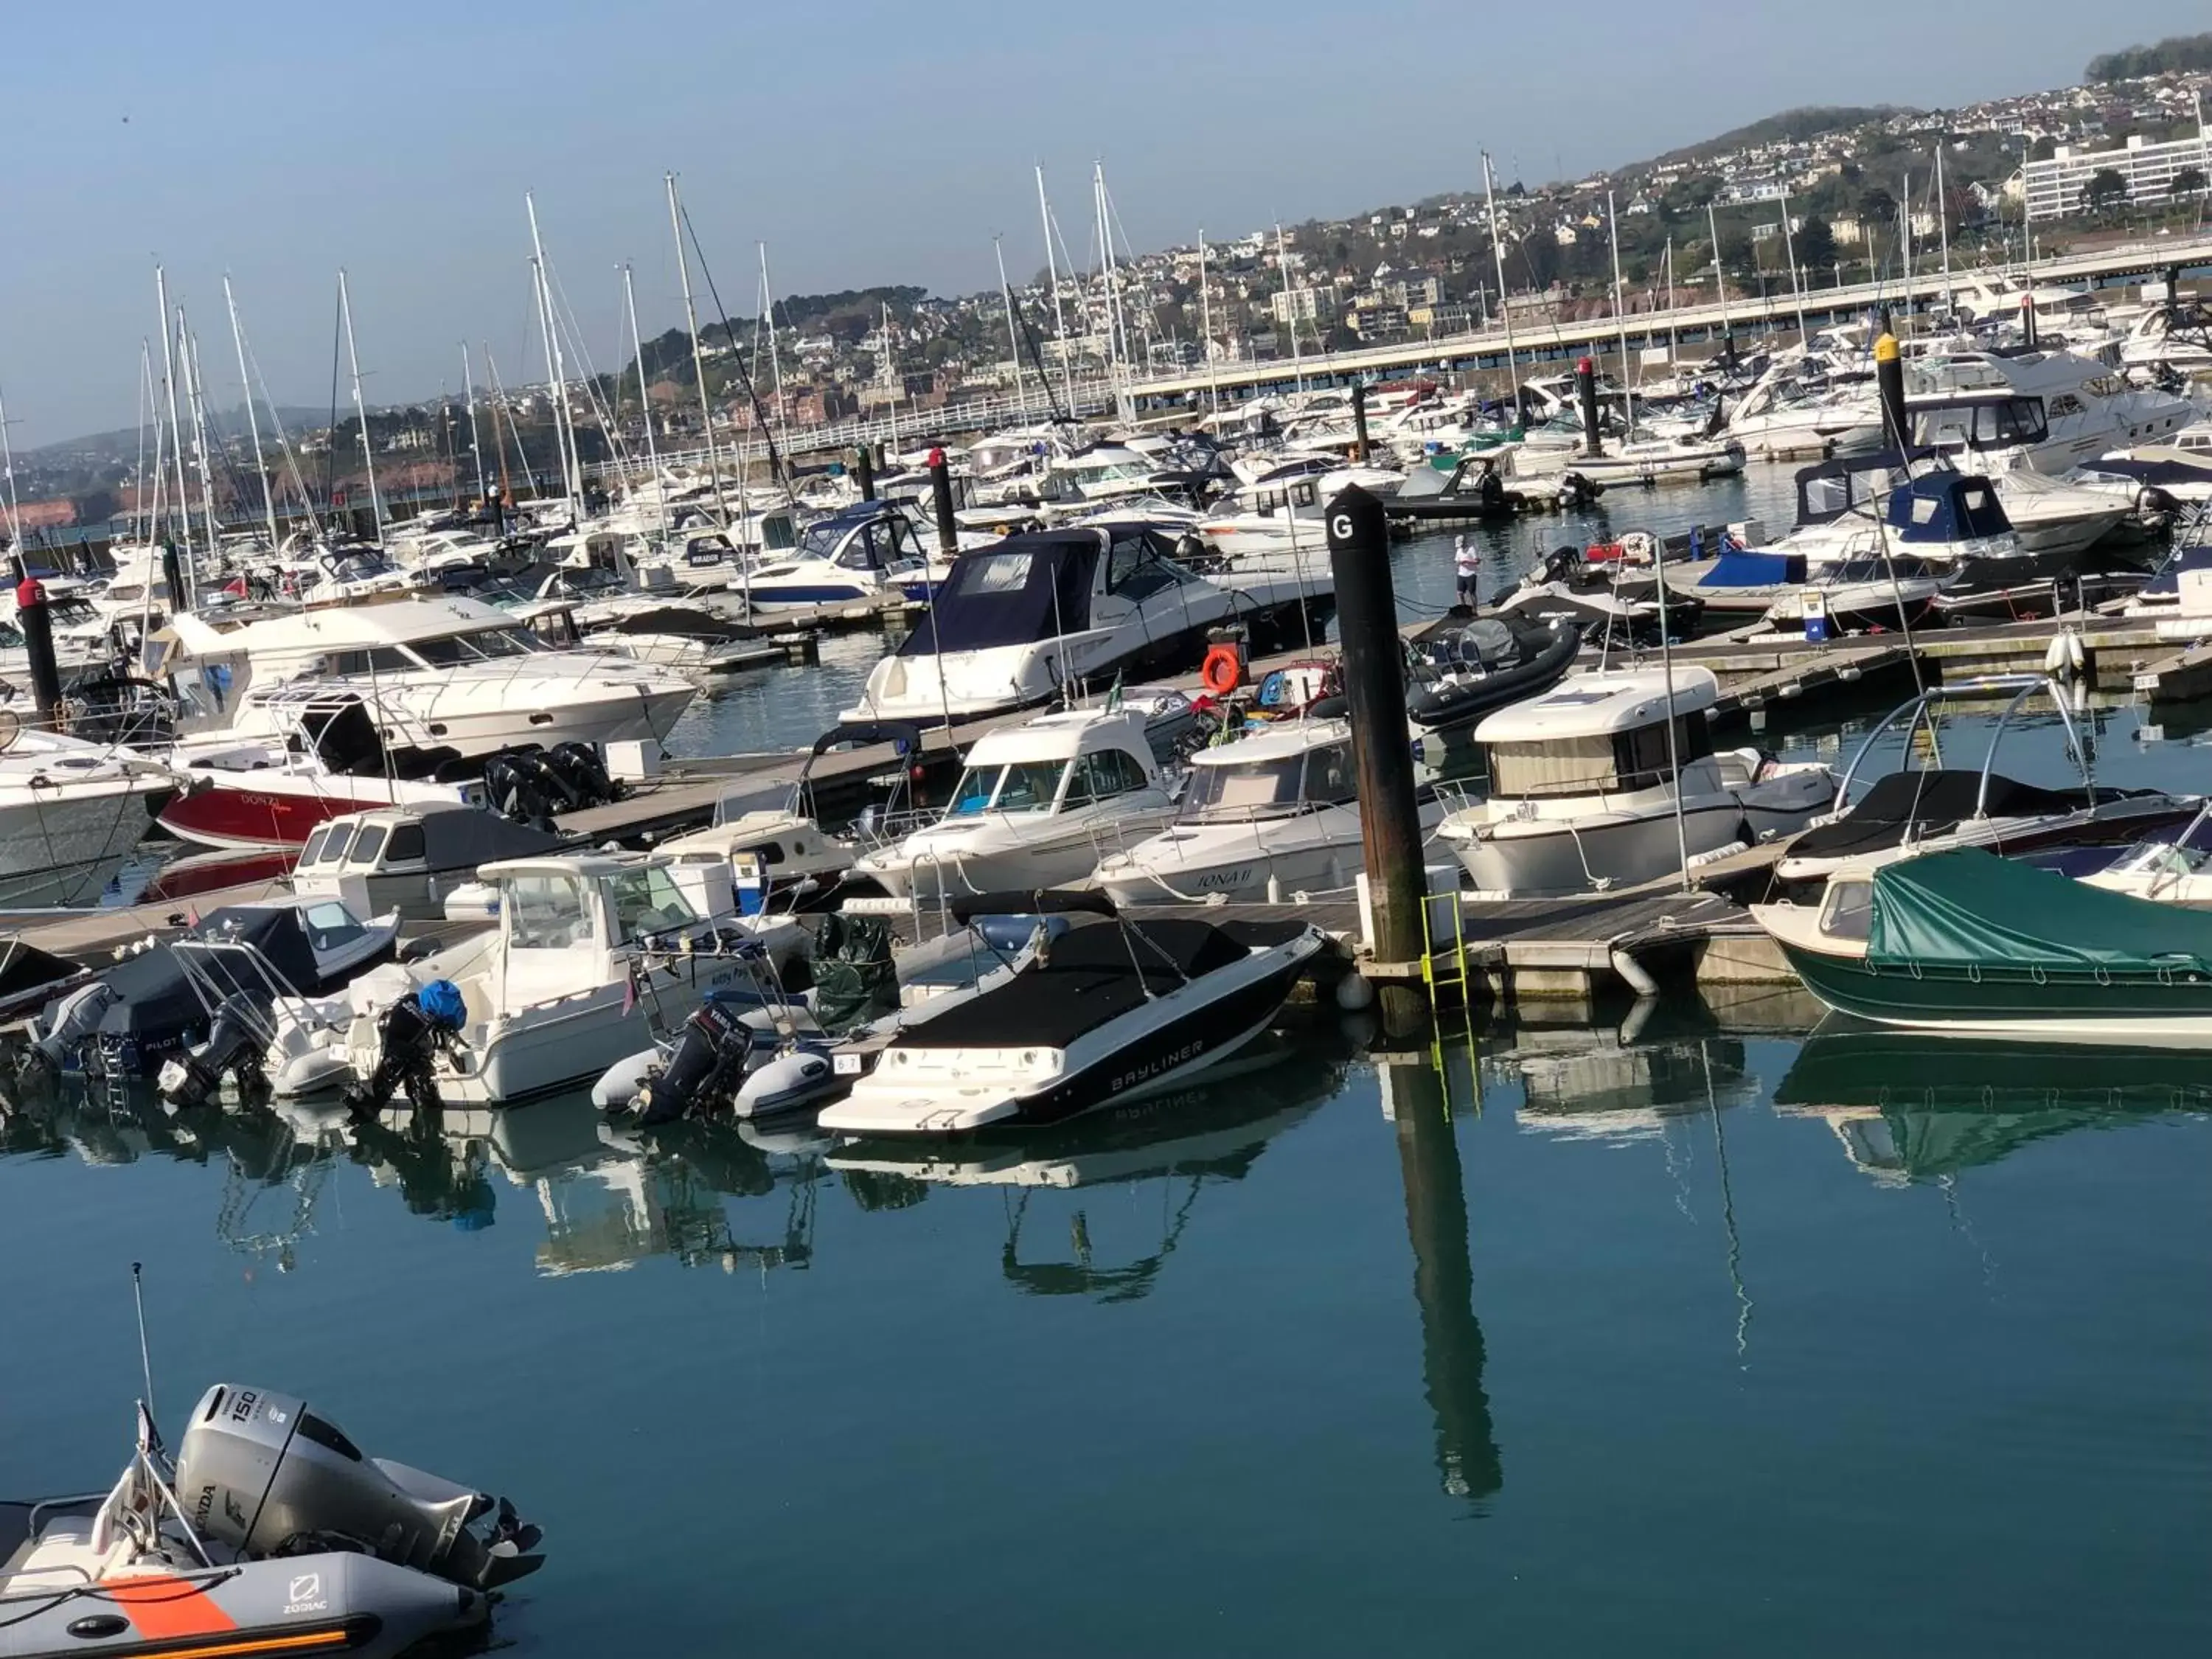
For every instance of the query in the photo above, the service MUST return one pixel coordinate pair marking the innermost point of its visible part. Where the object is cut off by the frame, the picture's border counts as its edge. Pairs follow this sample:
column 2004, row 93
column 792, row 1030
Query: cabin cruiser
column 2046, row 411
column 2178, row 595
column 1611, row 778
column 70, row 812
column 1038, row 617
column 449, row 673
column 1916, row 810
column 2172, row 867
column 292, row 1543
column 1859, row 593
column 1038, row 805
column 1276, row 812
column 1110, row 1011
column 408, row 860
column 864, row 552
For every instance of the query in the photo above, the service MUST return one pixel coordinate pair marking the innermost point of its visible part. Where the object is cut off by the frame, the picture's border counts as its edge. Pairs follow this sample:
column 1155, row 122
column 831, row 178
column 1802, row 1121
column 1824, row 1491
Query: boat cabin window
column 1017, row 786
column 380, row 660
column 545, row 913
column 1848, row 910
column 1103, row 775
column 334, row 849
column 331, row 927
column 1555, row 766
column 1322, row 776
column 457, row 650
column 369, row 843
column 647, row 900
column 314, row 845
column 1641, row 755
column 406, row 844
column 2014, row 421
column 1138, row 567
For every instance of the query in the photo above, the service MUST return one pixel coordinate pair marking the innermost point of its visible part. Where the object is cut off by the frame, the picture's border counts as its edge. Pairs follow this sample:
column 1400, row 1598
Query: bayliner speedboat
column 1912, row 813
column 1105, row 1014
column 863, row 552
column 1038, row 805
column 1588, row 791
column 1278, row 809
column 1038, row 616
column 271, row 1533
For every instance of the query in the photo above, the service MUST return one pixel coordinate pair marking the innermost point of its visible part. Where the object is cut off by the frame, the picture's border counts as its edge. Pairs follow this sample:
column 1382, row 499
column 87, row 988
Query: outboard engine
column 76, row 1017
column 262, row 1473
column 1577, row 490
column 408, row 1035
column 703, row 1073
column 234, row 1046
column 580, row 763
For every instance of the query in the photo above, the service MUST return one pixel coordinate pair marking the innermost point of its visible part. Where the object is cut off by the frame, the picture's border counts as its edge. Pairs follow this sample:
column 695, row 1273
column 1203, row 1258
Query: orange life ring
column 1224, row 671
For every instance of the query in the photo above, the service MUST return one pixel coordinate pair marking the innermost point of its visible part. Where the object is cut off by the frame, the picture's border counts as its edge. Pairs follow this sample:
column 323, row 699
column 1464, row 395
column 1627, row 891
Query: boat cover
column 1969, row 909
column 1022, row 590
column 1934, row 801
column 1945, row 506
column 1754, row 570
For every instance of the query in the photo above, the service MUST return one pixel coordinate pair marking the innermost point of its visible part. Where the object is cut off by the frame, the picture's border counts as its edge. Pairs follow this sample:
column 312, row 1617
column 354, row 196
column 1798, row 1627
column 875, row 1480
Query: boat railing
column 1922, row 707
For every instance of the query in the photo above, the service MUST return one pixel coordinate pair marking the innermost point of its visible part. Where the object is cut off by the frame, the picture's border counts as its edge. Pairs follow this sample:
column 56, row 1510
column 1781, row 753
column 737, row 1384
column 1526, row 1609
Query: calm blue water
column 1695, row 1339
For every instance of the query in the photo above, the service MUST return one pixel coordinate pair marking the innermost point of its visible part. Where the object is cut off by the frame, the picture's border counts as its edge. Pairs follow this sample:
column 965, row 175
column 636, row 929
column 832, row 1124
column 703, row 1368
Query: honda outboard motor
column 703, row 1073
column 409, row 1035
column 262, row 1473
column 580, row 763
column 234, row 1045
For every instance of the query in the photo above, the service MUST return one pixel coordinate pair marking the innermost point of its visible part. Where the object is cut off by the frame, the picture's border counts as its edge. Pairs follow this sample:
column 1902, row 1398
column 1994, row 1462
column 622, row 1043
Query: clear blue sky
column 865, row 142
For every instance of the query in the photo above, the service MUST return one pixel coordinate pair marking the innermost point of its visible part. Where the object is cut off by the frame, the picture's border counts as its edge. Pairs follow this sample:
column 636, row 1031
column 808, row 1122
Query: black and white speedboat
column 1033, row 617
column 1109, row 1010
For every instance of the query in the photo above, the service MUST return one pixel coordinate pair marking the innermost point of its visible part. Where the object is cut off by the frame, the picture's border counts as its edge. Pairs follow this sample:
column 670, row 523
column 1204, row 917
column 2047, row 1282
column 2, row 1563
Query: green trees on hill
column 2182, row 51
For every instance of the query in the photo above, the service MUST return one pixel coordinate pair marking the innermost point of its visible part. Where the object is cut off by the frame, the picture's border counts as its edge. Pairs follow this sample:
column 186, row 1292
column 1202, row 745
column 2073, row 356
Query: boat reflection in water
column 1917, row 1105
column 1625, row 1083
column 1183, row 1139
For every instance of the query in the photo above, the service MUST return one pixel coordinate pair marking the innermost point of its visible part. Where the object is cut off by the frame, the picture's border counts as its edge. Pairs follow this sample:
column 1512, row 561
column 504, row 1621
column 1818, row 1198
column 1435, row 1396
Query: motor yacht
column 863, row 552
column 408, row 860
column 1110, row 1012
column 2046, row 411
column 1275, row 812
column 1588, row 789
column 451, row 674
column 1043, row 616
column 1039, row 803
column 1920, row 809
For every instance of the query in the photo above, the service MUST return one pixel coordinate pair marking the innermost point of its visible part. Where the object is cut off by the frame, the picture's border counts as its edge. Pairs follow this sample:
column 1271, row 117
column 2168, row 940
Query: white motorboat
column 1938, row 808
column 70, row 812
column 552, row 993
column 1859, row 593
column 1040, row 616
column 2172, row 867
column 1108, row 1012
column 864, row 552
column 453, row 674
column 1277, row 812
column 1587, row 790
column 1038, row 805
column 2047, row 411
column 408, row 860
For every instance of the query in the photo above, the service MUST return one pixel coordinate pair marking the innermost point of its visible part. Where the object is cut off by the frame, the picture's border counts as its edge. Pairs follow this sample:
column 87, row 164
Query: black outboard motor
column 409, row 1035
column 579, row 766
column 234, row 1046
column 261, row 1473
column 703, row 1074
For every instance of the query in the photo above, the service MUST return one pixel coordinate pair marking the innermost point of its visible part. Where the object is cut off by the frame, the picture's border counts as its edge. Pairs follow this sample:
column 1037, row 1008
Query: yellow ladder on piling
column 1442, row 972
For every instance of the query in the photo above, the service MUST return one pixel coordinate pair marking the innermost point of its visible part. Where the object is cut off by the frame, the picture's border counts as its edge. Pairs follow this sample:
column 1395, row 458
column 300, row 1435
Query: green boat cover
column 1971, row 909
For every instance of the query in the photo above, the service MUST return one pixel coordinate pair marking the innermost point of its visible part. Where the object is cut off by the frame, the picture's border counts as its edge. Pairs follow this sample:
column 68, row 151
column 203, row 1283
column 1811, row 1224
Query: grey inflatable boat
column 271, row 1533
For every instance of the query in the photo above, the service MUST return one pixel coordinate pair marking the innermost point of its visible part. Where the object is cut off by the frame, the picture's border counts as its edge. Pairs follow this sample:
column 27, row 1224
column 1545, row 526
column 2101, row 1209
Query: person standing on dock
column 1468, row 563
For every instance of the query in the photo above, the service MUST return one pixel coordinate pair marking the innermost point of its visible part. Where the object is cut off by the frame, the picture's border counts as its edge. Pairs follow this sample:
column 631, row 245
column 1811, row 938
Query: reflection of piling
column 1359, row 423
column 1444, row 1283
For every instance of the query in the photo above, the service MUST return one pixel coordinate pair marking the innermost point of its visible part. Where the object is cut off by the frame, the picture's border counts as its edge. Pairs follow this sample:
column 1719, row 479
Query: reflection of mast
column 1443, row 1281
column 1727, row 1217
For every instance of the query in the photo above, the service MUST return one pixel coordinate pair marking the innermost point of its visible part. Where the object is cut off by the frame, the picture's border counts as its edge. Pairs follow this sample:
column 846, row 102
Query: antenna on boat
column 145, row 1360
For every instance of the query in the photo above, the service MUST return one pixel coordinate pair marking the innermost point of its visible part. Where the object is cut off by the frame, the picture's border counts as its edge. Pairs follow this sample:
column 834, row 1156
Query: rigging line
column 1029, row 338
column 775, row 462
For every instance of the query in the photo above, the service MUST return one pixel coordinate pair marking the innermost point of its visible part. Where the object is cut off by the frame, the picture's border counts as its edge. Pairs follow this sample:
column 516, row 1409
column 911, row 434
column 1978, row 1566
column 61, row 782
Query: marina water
column 1671, row 1327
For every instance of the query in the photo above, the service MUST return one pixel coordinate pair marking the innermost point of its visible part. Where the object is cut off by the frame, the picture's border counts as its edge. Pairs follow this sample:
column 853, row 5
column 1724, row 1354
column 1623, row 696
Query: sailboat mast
column 1943, row 221
column 571, row 481
column 1505, row 309
column 1059, row 314
column 698, row 356
column 1290, row 306
column 253, row 415
column 1205, row 324
column 1619, row 315
column 1720, row 277
column 1796, row 282
column 476, row 441
column 176, row 427
column 8, row 468
column 774, row 361
column 360, row 407
column 1013, row 334
column 645, row 406
column 188, row 347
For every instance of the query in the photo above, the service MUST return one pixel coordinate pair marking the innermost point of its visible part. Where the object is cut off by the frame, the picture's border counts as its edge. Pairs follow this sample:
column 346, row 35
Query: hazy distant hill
column 122, row 445
column 2183, row 51
column 1794, row 125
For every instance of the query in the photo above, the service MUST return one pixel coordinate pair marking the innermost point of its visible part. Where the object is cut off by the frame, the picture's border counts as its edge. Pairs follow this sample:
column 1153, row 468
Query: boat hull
column 65, row 850
column 1999, row 1003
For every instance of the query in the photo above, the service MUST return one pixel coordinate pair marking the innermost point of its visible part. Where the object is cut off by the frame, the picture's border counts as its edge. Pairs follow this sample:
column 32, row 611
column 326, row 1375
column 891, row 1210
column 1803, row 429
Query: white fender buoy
column 2054, row 655
column 2077, row 654
column 1354, row 993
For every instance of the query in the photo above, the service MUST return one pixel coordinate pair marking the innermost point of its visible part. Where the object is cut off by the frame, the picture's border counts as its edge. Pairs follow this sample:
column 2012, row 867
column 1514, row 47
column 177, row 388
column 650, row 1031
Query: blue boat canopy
column 1946, row 507
column 1742, row 569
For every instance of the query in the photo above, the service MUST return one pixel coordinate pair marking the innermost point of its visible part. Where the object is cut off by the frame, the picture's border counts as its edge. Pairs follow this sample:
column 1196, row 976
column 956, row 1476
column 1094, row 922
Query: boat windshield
column 819, row 541
column 1017, row 787
column 2190, row 853
column 458, row 650
column 1321, row 776
column 1874, row 570
column 647, row 900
